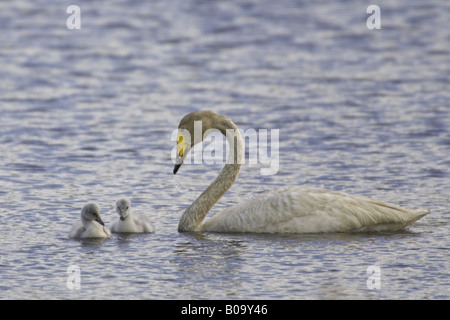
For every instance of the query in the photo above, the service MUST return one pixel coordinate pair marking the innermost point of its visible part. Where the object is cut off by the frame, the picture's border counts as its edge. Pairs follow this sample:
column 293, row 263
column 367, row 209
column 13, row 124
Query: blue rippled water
column 88, row 114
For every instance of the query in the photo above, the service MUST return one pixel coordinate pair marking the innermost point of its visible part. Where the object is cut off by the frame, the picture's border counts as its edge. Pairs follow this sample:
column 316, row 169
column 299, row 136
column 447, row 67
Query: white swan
column 286, row 210
column 91, row 224
column 128, row 222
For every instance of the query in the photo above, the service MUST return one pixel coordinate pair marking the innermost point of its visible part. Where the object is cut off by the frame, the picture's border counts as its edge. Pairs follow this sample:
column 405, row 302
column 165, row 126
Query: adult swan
column 285, row 210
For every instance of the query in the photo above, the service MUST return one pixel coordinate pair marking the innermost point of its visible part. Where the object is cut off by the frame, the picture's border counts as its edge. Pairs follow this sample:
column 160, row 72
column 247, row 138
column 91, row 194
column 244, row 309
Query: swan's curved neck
column 192, row 218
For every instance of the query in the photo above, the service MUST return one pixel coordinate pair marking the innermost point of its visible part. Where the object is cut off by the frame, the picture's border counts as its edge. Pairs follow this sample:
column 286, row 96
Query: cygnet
column 130, row 222
column 90, row 225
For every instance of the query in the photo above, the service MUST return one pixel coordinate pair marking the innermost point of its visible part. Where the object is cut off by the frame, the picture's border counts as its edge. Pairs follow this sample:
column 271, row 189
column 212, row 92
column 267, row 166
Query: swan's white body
column 90, row 225
column 130, row 222
column 285, row 210
column 309, row 210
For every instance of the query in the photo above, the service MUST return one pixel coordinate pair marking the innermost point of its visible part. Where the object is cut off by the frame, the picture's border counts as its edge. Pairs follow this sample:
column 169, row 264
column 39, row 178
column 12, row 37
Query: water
column 87, row 115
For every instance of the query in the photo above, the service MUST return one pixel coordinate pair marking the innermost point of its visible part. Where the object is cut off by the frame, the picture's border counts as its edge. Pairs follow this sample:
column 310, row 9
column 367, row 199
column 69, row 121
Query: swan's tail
column 418, row 213
column 400, row 221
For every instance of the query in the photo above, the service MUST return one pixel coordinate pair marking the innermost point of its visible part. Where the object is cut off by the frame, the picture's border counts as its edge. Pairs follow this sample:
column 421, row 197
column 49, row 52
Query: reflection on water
column 87, row 115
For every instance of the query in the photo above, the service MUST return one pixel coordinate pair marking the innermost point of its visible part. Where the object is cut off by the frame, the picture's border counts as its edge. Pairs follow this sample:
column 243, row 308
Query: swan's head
column 192, row 129
column 91, row 212
column 123, row 207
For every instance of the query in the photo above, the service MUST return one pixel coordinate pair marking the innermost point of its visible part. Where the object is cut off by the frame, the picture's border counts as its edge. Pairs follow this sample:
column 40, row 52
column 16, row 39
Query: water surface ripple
column 87, row 115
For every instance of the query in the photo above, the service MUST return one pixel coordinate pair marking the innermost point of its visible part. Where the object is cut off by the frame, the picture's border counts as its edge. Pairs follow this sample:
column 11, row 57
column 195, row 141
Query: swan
column 91, row 224
column 130, row 223
column 290, row 209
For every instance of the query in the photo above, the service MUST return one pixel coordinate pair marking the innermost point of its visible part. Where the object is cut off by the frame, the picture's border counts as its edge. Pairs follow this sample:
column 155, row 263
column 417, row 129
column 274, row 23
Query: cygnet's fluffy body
column 128, row 222
column 90, row 225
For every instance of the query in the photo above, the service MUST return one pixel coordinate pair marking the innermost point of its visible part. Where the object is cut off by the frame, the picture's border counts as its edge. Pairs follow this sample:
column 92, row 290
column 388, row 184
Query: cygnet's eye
column 127, row 208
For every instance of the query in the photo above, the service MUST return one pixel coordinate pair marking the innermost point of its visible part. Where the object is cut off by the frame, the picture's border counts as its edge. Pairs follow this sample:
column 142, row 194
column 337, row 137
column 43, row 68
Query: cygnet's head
column 91, row 212
column 123, row 207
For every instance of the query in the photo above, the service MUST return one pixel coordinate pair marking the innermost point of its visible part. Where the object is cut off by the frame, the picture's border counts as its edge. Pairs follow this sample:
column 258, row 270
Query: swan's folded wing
column 331, row 211
column 306, row 210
